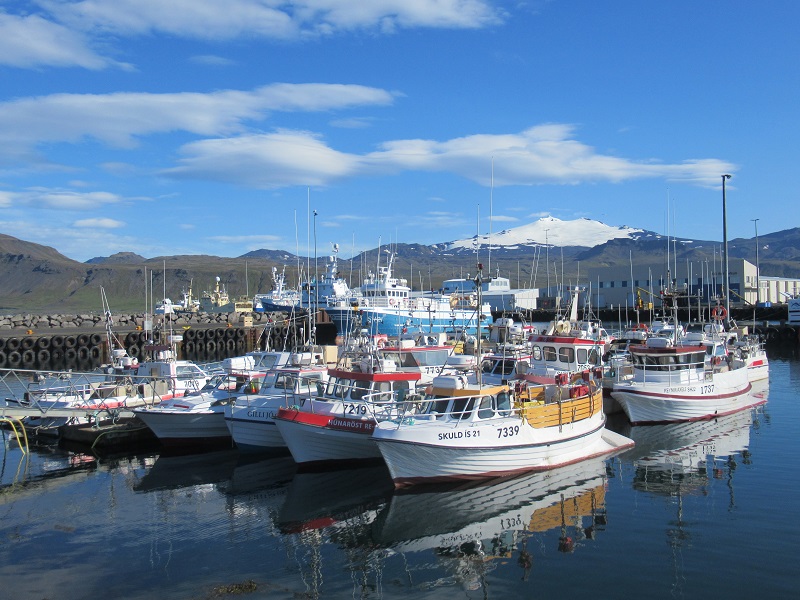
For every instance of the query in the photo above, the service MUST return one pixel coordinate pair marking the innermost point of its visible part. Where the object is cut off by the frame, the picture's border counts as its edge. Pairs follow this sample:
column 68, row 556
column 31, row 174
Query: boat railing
column 294, row 390
column 46, row 392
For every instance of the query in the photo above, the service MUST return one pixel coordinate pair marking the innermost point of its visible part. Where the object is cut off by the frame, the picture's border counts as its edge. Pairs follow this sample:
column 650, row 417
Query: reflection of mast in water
column 683, row 459
column 309, row 561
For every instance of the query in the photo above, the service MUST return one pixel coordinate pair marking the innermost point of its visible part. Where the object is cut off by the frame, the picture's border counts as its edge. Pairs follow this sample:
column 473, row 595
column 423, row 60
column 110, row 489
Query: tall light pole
column 547, row 259
column 725, row 250
column 758, row 271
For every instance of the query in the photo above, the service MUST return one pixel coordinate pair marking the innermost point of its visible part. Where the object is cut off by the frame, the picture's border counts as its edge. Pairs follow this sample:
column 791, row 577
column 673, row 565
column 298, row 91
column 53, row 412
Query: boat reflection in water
column 683, row 463
column 468, row 527
column 673, row 458
column 428, row 536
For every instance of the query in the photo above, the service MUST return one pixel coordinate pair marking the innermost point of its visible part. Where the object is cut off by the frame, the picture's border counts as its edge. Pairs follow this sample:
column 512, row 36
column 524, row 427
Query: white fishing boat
column 387, row 306
column 375, row 378
column 198, row 420
column 686, row 378
column 251, row 418
column 335, row 426
column 465, row 430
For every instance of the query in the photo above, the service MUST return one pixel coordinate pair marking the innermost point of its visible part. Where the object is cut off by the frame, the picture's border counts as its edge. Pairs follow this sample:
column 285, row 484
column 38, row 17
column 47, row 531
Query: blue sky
column 210, row 127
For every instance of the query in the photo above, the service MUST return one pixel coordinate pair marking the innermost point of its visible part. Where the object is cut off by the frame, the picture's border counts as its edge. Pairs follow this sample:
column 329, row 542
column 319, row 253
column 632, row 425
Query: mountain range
column 38, row 279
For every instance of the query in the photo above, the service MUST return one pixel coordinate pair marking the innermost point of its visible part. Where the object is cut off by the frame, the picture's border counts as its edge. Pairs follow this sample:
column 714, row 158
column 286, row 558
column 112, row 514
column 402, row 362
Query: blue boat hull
column 392, row 323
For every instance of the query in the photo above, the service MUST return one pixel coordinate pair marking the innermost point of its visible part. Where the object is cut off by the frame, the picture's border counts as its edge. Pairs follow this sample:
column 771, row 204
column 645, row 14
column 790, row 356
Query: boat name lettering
column 261, row 414
column 677, row 390
column 457, row 435
column 504, row 432
column 352, row 425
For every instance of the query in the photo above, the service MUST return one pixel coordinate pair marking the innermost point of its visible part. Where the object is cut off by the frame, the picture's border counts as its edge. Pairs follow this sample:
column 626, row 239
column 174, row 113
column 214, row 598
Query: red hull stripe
column 400, row 376
column 326, row 421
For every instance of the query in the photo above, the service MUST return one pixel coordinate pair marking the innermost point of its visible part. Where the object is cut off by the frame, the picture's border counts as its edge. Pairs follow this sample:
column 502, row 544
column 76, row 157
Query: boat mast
column 725, row 249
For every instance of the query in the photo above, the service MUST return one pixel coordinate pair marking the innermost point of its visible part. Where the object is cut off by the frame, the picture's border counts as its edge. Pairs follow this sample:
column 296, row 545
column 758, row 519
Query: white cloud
column 210, row 19
column 119, row 118
column 99, row 223
column 544, row 154
column 32, row 41
column 58, row 199
column 212, row 60
column 274, row 160
column 503, row 219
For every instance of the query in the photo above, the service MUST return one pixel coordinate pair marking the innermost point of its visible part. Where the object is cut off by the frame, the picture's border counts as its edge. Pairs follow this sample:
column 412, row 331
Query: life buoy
column 718, row 313
column 392, row 301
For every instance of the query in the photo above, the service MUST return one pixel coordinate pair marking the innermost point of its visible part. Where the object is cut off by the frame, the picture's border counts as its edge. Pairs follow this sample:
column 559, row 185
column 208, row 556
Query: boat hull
column 415, row 455
column 392, row 322
column 314, row 438
column 253, row 427
column 184, row 428
column 663, row 402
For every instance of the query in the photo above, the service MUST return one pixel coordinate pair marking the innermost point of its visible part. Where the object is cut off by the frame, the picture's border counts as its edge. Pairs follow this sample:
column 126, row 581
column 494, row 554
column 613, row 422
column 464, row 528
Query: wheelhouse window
column 549, row 353
column 566, row 355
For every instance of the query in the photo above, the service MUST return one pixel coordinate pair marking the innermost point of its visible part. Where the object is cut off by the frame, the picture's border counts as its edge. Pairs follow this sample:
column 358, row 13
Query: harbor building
column 640, row 285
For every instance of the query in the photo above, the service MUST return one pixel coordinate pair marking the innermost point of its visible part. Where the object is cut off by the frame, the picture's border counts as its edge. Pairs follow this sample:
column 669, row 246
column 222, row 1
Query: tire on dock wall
column 43, row 343
column 82, row 340
column 27, row 343
column 57, row 341
column 28, row 358
column 14, row 359
column 43, row 357
column 2, row 344
column 3, row 358
column 70, row 342
column 95, row 339
column 12, row 344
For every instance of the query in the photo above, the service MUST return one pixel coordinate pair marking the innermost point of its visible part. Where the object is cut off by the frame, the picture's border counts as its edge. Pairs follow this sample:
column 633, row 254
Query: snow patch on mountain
column 550, row 230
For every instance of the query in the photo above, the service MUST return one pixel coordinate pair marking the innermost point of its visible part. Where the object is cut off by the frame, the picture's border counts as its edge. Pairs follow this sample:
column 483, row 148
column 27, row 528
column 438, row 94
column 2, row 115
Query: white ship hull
column 176, row 428
column 321, row 439
column 253, row 427
column 666, row 402
column 432, row 451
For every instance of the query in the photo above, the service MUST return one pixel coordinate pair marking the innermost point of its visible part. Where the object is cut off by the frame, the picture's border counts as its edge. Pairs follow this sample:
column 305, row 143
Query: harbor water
column 701, row 510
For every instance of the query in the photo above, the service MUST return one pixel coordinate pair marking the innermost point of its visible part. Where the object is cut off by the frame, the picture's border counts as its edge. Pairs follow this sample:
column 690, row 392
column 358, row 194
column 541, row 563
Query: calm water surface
column 704, row 510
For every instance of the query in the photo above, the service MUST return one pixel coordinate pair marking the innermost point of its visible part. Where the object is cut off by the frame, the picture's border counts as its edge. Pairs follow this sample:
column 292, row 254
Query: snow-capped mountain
column 554, row 232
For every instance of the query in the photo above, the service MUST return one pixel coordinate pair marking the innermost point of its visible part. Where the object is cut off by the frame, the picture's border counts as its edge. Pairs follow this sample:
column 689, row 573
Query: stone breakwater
column 42, row 323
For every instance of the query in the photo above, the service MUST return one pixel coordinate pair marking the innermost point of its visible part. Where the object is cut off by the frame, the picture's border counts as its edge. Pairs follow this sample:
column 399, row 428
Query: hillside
column 39, row 279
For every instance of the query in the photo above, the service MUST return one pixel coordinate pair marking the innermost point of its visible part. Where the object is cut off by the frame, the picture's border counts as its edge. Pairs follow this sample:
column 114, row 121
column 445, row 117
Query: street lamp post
column 547, row 259
column 758, row 271
column 725, row 249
